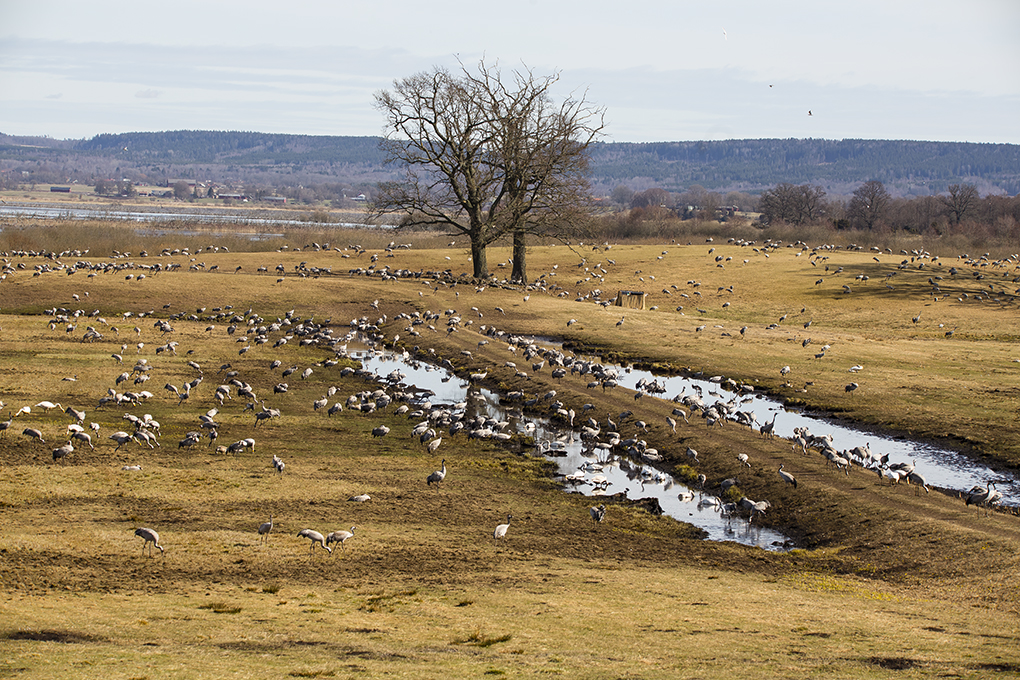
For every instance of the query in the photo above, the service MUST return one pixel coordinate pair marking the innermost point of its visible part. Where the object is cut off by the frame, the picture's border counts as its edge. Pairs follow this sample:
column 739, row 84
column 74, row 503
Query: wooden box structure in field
column 632, row 299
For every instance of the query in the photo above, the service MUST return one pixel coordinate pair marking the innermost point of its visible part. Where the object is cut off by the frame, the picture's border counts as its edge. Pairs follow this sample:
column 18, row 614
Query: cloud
column 55, row 96
column 148, row 94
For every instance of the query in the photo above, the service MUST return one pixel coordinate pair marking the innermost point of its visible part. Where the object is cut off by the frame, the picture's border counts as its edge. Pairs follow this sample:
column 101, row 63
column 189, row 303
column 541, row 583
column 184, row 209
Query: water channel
column 67, row 213
column 621, row 474
column 940, row 466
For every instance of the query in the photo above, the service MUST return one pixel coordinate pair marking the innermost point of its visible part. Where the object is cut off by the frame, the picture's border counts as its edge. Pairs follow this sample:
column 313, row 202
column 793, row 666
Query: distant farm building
column 60, row 190
column 275, row 199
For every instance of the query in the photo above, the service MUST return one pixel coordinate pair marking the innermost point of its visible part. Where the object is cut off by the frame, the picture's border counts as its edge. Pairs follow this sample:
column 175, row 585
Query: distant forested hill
column 254, row 148
column 750, row 165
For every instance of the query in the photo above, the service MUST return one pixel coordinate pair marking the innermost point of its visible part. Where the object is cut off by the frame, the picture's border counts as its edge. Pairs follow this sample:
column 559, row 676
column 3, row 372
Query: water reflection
column 586, row 469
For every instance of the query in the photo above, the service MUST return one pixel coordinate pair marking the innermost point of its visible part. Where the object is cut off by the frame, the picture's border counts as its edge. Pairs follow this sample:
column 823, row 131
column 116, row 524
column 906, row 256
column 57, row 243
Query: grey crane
column 341, row 537
column 984, row 496
column 265, row 529
column 598, row 513
column 500, row 530
column 437, row 476
column 33, row 434
column 63, row 451
column 316, row 538
column 150, row 536
column 918, row 481
column 278, row 464
column 787, row 477
column 121, row 438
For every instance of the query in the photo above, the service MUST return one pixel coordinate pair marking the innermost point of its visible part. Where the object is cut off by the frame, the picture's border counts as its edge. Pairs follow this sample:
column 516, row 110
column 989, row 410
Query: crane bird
column 787, row 477
column 152, row 537
column 63, row 451
column 360, row 498
column 278, row 464
column 500, row 531
column 437, row 476
column 316, row 539
column 33, row 434
column 597, row 514
column 341, row 537
column 984, row 496
column 893, row 476
column 121, row 438
column 918, row 481
column 265, row 529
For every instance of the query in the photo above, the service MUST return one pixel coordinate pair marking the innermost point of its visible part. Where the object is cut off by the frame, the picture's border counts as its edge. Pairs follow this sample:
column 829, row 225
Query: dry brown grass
column 919, row 586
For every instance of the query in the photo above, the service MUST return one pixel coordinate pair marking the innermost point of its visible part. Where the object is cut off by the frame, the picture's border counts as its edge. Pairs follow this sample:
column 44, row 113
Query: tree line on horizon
column 870, row 208
column 906, row 168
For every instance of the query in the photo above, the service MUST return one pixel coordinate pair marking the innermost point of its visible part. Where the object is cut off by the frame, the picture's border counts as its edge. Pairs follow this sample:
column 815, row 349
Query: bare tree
column 961, row 199
column 182, row 190
column 868, row 205
column 792, row 204
column 648, row 198
column 622, row 195
column 486, row 158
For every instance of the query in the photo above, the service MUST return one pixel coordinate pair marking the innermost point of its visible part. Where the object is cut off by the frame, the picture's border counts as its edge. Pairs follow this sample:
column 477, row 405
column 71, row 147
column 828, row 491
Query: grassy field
column 884, row 583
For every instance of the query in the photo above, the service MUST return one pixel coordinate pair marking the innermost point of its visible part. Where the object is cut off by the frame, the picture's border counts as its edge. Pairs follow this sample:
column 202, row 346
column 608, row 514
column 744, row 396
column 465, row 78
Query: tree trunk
column 519, row 274
column 481, row 266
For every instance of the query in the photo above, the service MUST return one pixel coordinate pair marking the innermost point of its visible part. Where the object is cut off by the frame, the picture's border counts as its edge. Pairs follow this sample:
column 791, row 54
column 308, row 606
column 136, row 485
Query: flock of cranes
column 146, row 430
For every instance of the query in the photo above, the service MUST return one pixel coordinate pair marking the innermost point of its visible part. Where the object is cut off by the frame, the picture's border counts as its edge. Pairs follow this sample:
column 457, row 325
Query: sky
column 663, row 70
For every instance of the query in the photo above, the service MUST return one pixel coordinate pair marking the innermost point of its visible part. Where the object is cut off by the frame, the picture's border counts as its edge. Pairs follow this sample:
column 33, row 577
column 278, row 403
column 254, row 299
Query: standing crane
column 787, row 477
column 265, row 529
column 341, row 537
column 437, row 476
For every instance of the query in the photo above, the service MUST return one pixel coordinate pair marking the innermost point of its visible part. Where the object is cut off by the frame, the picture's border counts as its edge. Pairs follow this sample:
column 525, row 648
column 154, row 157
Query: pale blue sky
column 664, row 71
